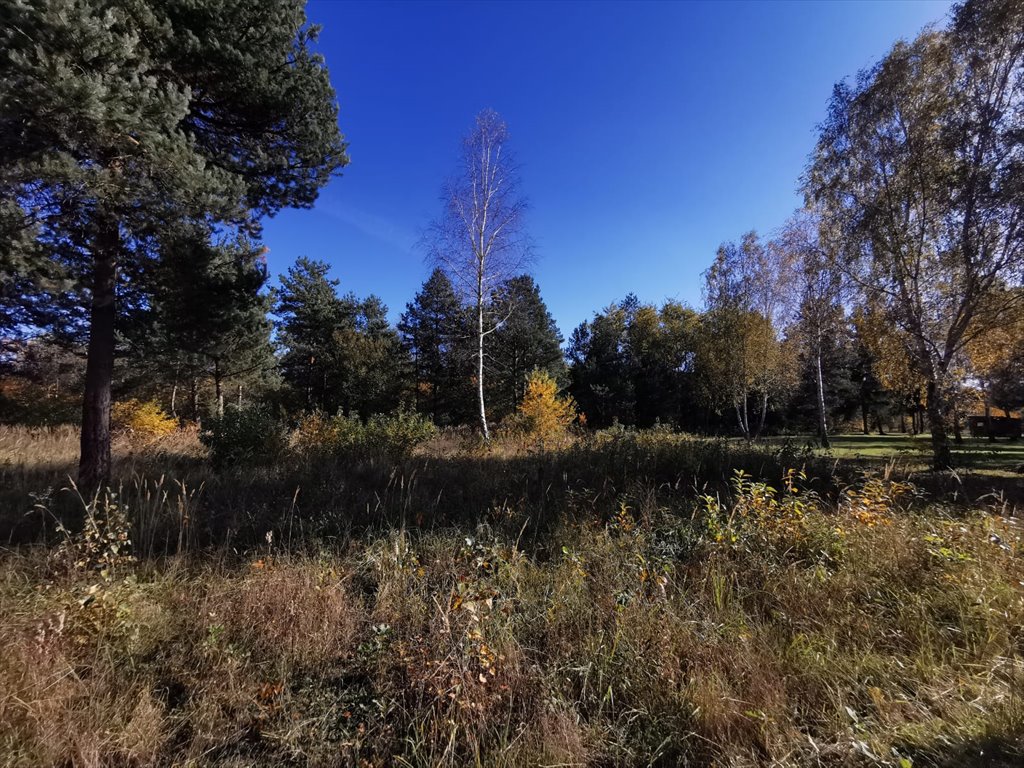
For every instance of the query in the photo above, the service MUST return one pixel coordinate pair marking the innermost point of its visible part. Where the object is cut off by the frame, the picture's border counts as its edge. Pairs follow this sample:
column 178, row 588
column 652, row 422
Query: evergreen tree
column 369, row 360
column 435, row 335
column 311, row 313
column 633, row 364
column 121, row 119
column 210, row 320
column 528, row 339
column 601, row 381
column 340, row 352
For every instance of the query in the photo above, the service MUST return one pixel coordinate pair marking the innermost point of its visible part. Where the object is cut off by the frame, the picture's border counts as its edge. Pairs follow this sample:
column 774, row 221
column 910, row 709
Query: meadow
column 619, row 598
column 997, row 458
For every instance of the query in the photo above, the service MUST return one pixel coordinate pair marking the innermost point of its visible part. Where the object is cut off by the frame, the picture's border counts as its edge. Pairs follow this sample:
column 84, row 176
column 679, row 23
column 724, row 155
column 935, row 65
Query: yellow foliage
column 546, row 414
column 316, row 433
column 874, row 500
column 144, row 418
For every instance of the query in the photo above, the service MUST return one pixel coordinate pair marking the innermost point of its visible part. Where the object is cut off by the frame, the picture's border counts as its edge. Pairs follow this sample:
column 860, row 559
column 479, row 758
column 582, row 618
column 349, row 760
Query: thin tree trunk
column 480, row 354
column 193, row 395
column 239, row 394
column 217, row 390
column 174, row 399
column 746, row 416
column 94, row 463
column 864, row 417
column 822, row 421
column 988, row 421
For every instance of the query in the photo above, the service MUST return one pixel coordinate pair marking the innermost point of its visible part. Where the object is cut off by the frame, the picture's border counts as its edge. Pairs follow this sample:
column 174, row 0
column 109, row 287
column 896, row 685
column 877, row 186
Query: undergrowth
column 633, row 598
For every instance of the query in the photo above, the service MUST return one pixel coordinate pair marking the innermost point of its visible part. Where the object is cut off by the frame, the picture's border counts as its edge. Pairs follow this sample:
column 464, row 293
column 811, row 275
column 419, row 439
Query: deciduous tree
column 918, row 164
column 480, row 239
column 748, row 293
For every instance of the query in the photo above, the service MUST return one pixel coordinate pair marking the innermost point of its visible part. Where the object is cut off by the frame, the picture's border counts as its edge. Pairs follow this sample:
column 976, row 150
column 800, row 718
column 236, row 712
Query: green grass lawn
column 1000, row 458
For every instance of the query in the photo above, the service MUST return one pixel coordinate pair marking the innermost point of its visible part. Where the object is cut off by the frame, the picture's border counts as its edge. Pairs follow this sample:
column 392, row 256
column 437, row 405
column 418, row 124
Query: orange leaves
column 546, row 414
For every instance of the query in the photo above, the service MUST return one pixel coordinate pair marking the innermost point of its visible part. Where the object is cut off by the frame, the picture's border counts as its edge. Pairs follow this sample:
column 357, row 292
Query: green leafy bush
column 243, row 435
column 396, row 434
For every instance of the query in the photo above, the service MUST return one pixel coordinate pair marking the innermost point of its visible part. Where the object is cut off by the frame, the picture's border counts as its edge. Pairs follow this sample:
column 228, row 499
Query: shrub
column 320, row 434
column 788, row 525
column 544, row 413
column 394, row 434
column 104, row 544
column 142, row 417
column 243, row 435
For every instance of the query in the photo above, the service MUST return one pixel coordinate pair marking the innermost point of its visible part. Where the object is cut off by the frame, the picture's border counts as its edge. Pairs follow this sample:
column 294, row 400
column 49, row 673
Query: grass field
column 1002, row 458
column 625, row 599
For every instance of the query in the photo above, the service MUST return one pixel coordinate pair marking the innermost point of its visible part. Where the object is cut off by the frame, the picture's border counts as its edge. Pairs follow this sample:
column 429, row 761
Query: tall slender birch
column 480, row 239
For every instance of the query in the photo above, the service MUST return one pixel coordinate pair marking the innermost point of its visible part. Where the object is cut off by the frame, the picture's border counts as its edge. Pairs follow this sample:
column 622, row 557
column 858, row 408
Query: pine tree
column 370, row 362
column 311, row 313
column 121, row 120
column 528, row 339
column 435, row 335
column 211, row 315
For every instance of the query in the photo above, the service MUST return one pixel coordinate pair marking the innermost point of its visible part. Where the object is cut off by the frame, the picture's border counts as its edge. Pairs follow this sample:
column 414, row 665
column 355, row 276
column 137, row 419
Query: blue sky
column 648, row 133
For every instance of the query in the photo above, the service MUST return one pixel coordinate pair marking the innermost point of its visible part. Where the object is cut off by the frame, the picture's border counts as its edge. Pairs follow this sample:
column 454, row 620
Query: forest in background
column 892, row 302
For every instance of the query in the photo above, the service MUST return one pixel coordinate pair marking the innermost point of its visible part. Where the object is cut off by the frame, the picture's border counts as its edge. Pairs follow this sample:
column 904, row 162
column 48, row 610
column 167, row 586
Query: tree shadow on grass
column 999, row 750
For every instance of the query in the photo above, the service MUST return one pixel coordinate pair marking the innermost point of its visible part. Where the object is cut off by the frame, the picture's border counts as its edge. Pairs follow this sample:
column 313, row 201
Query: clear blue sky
column 647, row 133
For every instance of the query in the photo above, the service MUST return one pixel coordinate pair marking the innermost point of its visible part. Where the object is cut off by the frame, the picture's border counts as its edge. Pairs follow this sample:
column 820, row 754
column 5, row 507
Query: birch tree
column 818, row 287
column 748, row 295
column 919, row 163
column 480, row 239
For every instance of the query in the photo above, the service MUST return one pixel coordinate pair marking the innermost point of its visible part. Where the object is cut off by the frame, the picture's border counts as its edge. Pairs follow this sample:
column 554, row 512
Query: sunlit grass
column 1000, row 458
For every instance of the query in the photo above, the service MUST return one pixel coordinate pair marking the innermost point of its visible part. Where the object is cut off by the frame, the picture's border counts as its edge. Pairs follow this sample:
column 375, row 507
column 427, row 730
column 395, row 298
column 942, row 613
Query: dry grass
column 641, row 624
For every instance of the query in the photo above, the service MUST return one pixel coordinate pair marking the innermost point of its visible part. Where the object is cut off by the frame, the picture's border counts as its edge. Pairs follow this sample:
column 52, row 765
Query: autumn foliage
column 142, row 417
column 544, row 412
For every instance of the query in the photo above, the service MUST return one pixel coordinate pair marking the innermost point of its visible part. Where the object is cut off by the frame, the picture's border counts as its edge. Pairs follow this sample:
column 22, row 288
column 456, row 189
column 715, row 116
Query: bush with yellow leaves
column 142, row 417
column 544, row 414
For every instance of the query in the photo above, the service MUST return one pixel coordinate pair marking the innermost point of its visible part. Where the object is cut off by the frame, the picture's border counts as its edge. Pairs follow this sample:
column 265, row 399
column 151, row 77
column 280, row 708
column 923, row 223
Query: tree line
column 142, row 142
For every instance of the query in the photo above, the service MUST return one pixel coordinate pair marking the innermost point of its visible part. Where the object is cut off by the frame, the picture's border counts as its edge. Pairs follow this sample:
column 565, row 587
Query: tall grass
column 644, row 641
column 621, row 599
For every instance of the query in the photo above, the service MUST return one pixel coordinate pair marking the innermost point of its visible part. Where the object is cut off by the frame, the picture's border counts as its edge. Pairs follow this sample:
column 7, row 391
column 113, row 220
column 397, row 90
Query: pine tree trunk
column 217, row 390
column 194, row 399
column 94, row 464
column 822, row 422
column 938, row 422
